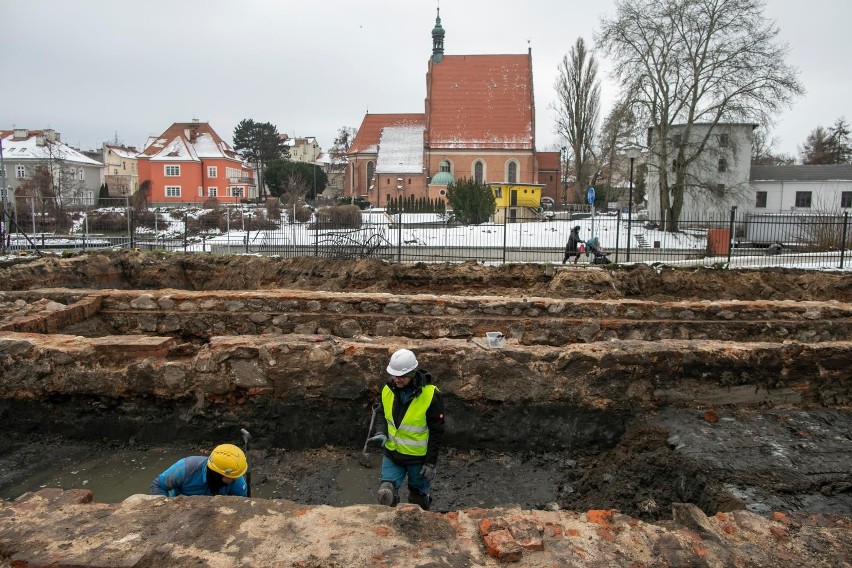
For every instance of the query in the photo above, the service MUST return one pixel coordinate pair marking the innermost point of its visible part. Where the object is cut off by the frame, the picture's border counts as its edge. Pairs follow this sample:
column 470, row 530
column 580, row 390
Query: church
column 478, row 122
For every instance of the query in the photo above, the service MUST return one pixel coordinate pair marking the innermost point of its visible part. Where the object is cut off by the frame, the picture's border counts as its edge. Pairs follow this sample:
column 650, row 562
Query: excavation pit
column 628, row 390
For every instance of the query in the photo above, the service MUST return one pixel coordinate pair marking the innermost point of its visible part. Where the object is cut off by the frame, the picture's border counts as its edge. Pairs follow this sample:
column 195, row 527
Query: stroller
column 600, row 257
column 594, row 248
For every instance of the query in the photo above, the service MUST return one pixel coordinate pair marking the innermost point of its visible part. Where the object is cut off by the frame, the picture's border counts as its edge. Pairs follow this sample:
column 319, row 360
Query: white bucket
column 495, row 339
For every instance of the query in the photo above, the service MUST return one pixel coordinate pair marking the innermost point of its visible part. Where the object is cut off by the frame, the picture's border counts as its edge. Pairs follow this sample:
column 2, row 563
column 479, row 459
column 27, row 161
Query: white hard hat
column 401, row 362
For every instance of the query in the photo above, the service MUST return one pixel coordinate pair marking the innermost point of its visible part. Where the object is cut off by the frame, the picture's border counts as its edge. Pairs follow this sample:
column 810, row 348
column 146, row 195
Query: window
column 676, row 140
column 371, row 169
column 478, row 172
column 115, row 171
column 498, row 192
column 720, row 187
column 124, row 166
column 512, row 176
column 212, row 192
column 409, row 181
column 723, row 141
column 3, row 172
column 846, row 199
column 20, row 172
column 444, row 166
column 81, row 174
column 723, row 165
column 172, row 171
column 760, row 199
column 236, row 192
column 803, row 199
column 388, row 182
column 172, row 191
column 200, row 191
column 212, row 171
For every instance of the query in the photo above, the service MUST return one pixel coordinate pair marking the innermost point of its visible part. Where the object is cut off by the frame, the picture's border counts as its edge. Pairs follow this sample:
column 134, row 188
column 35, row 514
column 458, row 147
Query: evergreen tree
column 258, row 143
column 103, row 196
column 472, row 202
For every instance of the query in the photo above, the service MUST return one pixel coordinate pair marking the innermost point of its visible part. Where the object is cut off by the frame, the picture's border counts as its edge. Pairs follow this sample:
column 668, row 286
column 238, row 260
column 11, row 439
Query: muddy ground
column 727, row 460
column 760, row 461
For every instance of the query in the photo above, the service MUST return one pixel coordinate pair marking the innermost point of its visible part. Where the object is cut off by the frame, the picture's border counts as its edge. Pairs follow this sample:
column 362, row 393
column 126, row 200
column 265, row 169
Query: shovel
column 364, row 458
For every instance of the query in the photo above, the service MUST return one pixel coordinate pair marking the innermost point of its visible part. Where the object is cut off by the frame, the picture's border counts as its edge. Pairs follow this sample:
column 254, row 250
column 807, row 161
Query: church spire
column 438, row 39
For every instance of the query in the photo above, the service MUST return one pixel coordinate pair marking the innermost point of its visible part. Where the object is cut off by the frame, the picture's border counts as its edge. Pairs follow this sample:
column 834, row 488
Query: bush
column 359, row 201
column 339, row 217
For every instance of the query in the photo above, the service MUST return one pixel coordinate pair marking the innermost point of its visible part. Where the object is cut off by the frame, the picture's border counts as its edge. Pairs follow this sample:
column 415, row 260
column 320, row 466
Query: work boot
column 386, row 494
column 418, row 499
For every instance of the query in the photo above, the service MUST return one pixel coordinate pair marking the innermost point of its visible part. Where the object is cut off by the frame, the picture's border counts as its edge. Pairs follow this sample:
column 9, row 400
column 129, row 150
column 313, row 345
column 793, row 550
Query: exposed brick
column 500, row 545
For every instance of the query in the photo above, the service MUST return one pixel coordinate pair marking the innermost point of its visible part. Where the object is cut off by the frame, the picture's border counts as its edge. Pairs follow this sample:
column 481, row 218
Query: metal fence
column 815, row 240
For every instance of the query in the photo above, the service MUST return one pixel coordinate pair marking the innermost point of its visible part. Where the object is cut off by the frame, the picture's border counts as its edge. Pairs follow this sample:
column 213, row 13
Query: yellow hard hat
column 228, row 460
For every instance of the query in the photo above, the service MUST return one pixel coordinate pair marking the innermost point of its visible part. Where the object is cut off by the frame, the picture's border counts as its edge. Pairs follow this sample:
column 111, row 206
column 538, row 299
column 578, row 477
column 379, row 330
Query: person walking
column 411, row 432
column 220, row 473
column 571, row 246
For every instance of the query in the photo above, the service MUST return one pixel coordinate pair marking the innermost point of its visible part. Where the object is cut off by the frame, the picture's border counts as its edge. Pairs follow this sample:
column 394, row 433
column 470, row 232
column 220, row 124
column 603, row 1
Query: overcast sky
column 95, row 70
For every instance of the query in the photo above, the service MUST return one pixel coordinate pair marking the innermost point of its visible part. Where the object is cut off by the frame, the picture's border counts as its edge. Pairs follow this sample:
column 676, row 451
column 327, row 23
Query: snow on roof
column 206, row 147
column 175, row 151
column 123, row 152
column 29, row 149
column 400, row 150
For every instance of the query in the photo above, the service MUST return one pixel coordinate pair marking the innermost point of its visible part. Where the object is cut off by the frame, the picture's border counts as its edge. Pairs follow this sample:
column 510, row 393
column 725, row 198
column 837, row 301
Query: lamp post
column 632, row 152
column 563, row 167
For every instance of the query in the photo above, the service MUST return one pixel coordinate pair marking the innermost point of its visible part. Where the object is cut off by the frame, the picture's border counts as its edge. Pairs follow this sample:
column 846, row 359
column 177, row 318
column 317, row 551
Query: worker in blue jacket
column 219, row 474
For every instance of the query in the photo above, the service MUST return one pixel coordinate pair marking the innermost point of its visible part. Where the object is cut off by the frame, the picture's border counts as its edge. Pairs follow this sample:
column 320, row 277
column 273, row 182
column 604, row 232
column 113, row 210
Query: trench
column 593, row 404
column 638, row 464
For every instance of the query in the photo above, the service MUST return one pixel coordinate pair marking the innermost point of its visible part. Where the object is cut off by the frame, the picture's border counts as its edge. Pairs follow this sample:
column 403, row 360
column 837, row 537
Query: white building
column 718, row 170
column 75, row 177
column 785, row 189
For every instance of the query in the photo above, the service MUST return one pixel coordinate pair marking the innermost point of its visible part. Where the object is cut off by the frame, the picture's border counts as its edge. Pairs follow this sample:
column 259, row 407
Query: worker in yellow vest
column 411, row 432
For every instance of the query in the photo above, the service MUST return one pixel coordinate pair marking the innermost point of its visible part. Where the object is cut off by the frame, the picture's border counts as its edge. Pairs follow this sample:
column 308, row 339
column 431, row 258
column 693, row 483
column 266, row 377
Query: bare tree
column 689, row 62
column 578, row 107
column 618, row 131
column 763, row 150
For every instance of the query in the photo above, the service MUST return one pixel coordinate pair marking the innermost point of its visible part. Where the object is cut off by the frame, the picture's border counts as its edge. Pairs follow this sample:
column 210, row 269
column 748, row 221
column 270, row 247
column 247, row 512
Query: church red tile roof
column 481, row 102
column 367, row 139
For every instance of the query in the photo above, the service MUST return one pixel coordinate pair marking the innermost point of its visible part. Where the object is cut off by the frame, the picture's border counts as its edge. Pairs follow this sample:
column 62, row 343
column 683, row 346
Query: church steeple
column 438, row 40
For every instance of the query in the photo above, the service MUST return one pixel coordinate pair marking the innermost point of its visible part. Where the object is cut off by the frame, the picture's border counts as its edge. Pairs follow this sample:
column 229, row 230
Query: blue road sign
column 590, row 196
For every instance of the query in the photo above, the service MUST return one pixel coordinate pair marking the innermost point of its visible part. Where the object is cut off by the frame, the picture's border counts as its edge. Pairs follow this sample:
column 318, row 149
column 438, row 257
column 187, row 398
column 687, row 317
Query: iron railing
column 814, row 240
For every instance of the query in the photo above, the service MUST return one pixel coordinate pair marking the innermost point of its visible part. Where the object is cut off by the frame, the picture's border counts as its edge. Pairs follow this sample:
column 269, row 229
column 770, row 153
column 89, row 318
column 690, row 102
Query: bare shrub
column 273, row 208
column 340, row 217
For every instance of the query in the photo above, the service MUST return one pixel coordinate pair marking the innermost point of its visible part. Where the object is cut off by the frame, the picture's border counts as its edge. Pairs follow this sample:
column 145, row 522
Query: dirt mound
column 141, row 270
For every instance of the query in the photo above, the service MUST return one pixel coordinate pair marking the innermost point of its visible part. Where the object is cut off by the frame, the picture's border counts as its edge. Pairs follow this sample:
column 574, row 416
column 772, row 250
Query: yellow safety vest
column 412, row 436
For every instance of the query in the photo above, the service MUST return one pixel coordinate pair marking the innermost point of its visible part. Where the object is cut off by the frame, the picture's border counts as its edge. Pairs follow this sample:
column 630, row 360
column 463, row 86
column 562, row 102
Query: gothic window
column 371, row 169
column 478, row 172
column 512, row 172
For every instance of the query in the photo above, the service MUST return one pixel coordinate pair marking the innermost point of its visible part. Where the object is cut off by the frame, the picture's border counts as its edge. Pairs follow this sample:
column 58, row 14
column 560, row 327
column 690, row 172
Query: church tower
column 438, row 40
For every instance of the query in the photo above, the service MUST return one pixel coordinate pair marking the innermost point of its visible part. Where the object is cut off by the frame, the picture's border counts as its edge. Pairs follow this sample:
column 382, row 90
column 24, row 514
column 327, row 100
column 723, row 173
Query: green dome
column 443, row 178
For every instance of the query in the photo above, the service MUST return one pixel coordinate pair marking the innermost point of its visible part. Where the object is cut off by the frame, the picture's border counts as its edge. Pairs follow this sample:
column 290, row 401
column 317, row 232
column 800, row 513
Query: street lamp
column 632, row 152
column 563, row 167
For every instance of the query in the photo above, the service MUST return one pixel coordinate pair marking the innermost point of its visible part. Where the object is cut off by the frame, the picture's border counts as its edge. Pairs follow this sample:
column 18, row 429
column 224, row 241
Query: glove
column 381, row 438
column 428, row 471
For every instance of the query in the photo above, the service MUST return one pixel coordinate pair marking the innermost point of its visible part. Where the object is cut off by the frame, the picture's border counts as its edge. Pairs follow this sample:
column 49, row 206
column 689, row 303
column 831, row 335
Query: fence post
column 505, row 231
column 185, row 228
column 843, row 240
column 32, row 209
column 129, row 222
column 248, row 233
column 399, row 236
column 316, row 232
column 85, row 228
column 618, row 235
column 731, row 234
